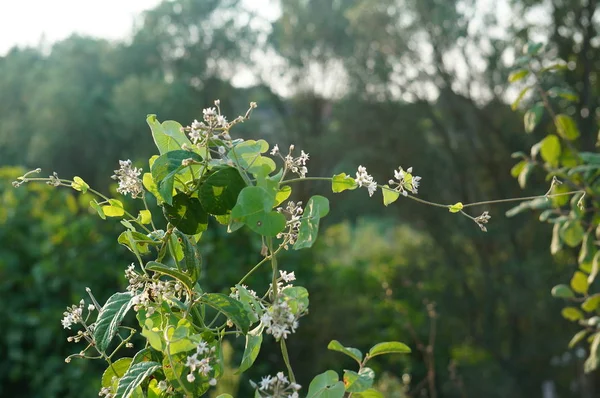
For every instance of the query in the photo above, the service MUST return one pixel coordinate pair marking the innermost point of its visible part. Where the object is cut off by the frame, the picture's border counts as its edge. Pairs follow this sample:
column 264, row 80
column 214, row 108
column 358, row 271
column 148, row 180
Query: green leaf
column 219, row 192
column 131, row 239
column 224, row 396
column 266, row 224
column 353, row 353
column 247, row 155
column 230, row 307
column 326, row 385
column 593, row 360
column 79, row 185
column 151, row 187
column 550, row 149
column 172, row 272
column 316, row 208
column 168, row 135
column 282, row 194
column 359, row 382
column 389, row 347
column 532, row 48
column 166, row 167
column 455, row 208
column 517, row 75
column 253, row 200
column 187, row 214
column 253, row 342
column 114, row 208
column 389, row 195
column 579, row 283
column 145, row 217
column 516, row 103
column 134, row 377
column 522, row 179
column 370, row 393
column 595, row 268
column 577, row 338
column 297, row 298
column 517, row 168
column 566, row 127
column 572, row 314
column 191, row 255
column 556, row 243
column 590, row 157
column 535, row 204
column 563, row 93
column 532, row 117
column 562, row 291
column 342, row 182
column 591, row 303
column 110, row 317
column 572, row 233
column 118, row 369
column 94, row 205
column 179, row 338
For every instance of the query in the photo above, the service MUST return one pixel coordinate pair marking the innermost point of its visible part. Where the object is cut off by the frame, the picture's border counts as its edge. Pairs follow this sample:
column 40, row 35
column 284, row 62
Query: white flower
column 287, row 277
column 129, row 183
column 222, row 121
column 275, row 150
column 192, row 362
column 265, row 382
column 363, row 179
column 190, row 377
column 406, row 181
column 212, row 382
column 209, row 114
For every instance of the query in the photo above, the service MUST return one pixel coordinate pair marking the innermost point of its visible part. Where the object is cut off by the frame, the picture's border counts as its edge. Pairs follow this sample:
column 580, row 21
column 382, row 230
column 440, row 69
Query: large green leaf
column 326, row 385
column 168, row 135
column 572, row 233
column 137, row 240
column 109, row 318
column 353, row 353
column 550, row 149
column 247, row 155
column 253, row 342
column 389, row 347
column 117, row 369
column 566, row 127
column 187, row 214
column 219, row 192
column 134, row 377
column 230, row 307
column 359, row 382
column 253, row 200
column 562, row 291
column 316, row 208
column 166, row 167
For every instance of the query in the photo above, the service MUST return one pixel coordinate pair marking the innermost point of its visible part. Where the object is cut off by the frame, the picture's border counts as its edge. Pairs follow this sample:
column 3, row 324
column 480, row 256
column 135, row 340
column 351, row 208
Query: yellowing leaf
column 455, row 208
column 389, row 195
column 342, row 182
column 145, row 216
column 579, row 282
column 79, row 185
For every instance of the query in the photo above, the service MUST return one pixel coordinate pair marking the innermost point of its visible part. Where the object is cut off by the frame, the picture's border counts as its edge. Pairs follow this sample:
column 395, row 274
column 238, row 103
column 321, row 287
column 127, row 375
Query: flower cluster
column 482, row 220
column 201, row 366
column 214, row 126
column 276, row 387
column 363, row 179
column 405, row 181
column 74, row 314
column 279, row 319
column 128, row 176
column 296, row 165
column 147, row 292
column 293, row 212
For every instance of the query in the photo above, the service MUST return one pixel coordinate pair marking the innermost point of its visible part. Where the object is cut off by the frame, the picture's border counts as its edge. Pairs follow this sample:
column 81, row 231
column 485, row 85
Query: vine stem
column 286, row 359
column 261, row 262
column 426, row 202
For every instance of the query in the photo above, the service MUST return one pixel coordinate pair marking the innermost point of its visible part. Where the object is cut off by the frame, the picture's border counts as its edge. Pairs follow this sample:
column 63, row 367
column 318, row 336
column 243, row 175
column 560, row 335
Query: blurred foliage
column 420, row 83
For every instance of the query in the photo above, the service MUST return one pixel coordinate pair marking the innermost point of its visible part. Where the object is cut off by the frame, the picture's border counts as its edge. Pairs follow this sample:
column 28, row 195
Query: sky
column 28, row 22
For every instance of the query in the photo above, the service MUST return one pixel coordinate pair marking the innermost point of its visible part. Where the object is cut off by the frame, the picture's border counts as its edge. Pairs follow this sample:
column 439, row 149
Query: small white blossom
column 363, row 179
column 275, row 150
column 129, row 183
column 287, row 277
column 406, row 181
column 276, row 387
column 190, row 377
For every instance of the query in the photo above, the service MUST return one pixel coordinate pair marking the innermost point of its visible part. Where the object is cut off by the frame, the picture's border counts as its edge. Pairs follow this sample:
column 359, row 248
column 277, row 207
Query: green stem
column 274, row 266
column 286, row 359
column 168, row 352
column 257, row 266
